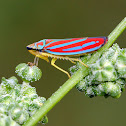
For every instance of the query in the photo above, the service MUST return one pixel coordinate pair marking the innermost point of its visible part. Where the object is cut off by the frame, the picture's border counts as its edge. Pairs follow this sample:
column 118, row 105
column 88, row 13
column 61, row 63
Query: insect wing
column 74, row 46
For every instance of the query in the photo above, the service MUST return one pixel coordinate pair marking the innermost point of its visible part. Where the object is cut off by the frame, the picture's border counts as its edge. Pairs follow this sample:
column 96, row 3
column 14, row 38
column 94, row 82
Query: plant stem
column 81, row 73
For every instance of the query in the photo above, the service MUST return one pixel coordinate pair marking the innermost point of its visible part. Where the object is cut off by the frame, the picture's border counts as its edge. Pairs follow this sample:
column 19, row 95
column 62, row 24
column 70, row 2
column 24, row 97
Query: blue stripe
column 35, row 46
column 40, row 46
column 73, row 53
column 74, row 48
column 65, row 44
column 80, row 47
column 55, row 40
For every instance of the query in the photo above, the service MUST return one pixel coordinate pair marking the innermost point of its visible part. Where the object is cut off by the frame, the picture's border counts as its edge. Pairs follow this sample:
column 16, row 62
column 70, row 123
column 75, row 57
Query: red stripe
column 40, row 43
column 101, row 41
column 61, row 42
column 73, row 45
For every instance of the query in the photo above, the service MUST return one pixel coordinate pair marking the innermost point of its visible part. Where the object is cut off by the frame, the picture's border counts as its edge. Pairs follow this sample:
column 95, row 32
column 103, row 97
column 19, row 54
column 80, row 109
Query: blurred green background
column 27, row 21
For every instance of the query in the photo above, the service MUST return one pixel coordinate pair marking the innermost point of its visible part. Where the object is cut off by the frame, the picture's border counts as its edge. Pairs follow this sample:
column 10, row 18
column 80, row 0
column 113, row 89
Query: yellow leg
column 76, row 59
column 72, row 62
column 53, row 64
column 45, row 56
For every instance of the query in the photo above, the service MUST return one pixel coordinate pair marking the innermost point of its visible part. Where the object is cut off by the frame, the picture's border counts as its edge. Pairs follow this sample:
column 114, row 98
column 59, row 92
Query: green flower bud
column 44, row 120
column 16, row 91
column 82, row 86
column 112, row 89
column 112, row 53
column 121, row 63
column 36, row 104
column 28, row 73
column 3, row 90
column 24, row 101
column 25, row 105
column 3, row 108
column 34, row 97
column 100, row 90
column 18, row 114
column 32, row 73
column 11, row 89
column 121, row 83
column 19, row 68
column 13, row 79
column 103, row 70
column 6, row 99
column 73, row 69
column 117, row 96
column 29, row 91
column 33, row 108
column 39, row 101
column 90, row 92
column 7, row 121
column 9, row 83
column 84, row 83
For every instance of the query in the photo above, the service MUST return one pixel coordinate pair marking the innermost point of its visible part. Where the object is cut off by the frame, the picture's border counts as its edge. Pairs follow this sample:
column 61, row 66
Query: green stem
column 69, row 84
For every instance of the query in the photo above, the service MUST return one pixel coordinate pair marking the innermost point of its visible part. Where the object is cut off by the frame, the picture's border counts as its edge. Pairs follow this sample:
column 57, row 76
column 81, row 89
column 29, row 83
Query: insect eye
column 40, row 47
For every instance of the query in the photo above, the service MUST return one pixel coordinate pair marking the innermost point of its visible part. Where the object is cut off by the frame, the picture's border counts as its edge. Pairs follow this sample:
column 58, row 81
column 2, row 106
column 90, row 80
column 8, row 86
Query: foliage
column 107, row 75
column 18, row 102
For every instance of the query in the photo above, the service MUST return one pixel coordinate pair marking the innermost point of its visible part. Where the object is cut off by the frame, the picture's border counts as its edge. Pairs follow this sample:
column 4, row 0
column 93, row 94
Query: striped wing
column 74, row 46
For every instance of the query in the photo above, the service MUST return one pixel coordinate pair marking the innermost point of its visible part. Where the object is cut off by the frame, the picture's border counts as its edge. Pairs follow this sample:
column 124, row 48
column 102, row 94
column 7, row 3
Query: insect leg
column 76, row 59
column 72, row 62
column 53, row 64
column 36, row 59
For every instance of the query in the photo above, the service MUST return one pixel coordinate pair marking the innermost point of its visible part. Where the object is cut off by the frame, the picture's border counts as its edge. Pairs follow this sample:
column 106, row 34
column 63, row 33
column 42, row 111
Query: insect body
column 66, row 48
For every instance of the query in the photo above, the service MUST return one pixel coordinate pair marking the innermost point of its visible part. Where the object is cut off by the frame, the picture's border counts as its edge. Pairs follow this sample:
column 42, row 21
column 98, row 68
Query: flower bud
column 90, row 92
column 73, row 69
column 84, row 83
column 103, row 70
column 39, row 101
column 112, row 89
column 36, row 104
column 28, row 73
column 30, row 92
column 112, row 53
column 3, row 108
column 7, row 121
column 18, row 114
column 81, row 86
column 19, row 68
column 44, row 120
column 121, row 82
column 6, row 99
column 100, row 90
column 121, row 63
column 9, row 83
